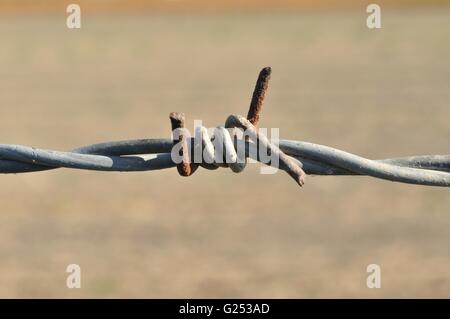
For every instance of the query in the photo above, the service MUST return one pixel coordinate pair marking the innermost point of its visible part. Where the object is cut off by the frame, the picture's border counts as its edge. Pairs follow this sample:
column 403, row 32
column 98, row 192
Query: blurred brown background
column 377, row 93
column 204, row 6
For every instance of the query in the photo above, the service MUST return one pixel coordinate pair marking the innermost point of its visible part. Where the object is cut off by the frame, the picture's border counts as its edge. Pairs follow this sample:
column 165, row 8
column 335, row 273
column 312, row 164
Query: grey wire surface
column 154, row 154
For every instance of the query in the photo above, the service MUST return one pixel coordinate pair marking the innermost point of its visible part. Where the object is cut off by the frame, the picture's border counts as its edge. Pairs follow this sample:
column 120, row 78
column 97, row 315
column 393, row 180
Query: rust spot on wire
column 259, row 94
column 185, row 168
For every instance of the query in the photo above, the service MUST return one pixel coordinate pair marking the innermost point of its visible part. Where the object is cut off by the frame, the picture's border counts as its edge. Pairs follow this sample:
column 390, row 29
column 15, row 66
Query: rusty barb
column 187, row 167
column 221, row 149
column 259, row 94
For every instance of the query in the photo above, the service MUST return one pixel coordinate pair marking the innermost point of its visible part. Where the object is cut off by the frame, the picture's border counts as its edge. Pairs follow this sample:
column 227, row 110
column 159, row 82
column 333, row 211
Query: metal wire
column 295, row 157
column 154, row 154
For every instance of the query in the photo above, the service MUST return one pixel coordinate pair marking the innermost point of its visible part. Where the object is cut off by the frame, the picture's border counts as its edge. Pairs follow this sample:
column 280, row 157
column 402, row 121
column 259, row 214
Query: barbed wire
column 297, row 158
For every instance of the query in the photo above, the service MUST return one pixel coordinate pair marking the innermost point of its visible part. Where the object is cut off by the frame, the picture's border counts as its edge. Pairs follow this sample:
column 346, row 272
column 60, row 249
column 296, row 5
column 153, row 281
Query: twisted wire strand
column 297, row 158
column 154, row 154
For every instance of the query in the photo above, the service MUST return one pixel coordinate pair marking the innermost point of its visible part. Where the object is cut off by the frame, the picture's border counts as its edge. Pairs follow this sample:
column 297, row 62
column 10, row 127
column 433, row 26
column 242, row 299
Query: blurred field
column 382, row 93
column 204, row 6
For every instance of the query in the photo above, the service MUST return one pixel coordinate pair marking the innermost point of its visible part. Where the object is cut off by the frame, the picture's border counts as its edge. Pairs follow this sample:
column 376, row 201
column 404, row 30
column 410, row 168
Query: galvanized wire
column 154, row 154
column 296, row 157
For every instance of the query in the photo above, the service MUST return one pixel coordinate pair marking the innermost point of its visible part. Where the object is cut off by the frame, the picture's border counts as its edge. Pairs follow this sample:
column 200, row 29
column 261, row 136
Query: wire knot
column 224, row 148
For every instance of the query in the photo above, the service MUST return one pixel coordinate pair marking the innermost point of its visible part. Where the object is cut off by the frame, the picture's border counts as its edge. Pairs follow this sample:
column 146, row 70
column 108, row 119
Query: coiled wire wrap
column 154, row 154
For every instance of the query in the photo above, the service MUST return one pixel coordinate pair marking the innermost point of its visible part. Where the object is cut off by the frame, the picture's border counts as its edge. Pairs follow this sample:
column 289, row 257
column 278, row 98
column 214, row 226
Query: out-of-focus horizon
column 376, row 93
column 204, row 6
